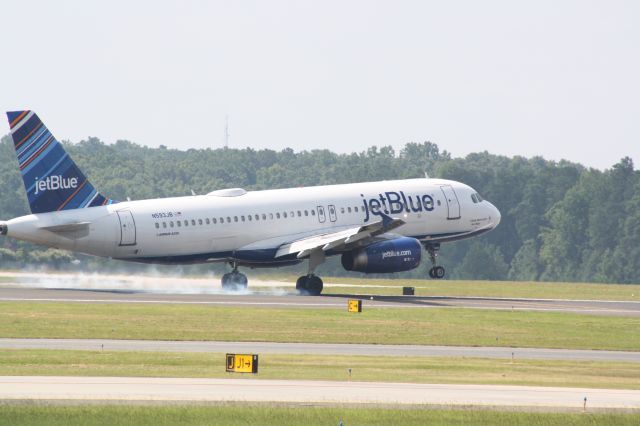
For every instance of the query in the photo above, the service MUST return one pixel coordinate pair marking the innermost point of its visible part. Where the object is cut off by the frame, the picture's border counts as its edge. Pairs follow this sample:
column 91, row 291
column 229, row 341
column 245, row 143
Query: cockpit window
column 474, row 198
column 480, row 199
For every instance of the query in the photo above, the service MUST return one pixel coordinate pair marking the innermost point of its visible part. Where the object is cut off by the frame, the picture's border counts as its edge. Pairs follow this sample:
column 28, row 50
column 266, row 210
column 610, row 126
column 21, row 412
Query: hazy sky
column 559, row 79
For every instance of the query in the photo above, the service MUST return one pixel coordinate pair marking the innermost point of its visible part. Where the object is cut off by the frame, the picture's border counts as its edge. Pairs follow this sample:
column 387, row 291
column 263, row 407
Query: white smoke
column 147, row 283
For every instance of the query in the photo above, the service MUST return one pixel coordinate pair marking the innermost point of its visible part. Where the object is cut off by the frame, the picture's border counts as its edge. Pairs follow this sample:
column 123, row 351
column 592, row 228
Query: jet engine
column 395, row 255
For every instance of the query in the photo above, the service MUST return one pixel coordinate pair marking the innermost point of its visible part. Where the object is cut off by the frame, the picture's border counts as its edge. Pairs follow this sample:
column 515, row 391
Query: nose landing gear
column 436, row 272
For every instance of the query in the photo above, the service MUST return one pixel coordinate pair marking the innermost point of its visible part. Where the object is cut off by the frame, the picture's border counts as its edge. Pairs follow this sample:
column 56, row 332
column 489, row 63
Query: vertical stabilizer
column 52, row 180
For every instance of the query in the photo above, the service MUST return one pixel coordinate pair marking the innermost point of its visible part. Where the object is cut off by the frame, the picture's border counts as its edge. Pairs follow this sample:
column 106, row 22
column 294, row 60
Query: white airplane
column 375, row 226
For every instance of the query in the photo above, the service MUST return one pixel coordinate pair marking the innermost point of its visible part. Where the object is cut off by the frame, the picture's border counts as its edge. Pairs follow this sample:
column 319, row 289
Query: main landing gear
column 311, row 284
column 436, row 271
column 234, row 280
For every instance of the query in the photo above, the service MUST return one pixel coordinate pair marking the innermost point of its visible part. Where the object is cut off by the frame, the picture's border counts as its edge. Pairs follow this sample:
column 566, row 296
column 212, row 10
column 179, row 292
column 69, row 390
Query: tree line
column 560, row 221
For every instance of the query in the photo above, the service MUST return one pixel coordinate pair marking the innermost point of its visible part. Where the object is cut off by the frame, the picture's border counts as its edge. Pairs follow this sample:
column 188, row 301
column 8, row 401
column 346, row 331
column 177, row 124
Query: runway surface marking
column 254, row 390
column 319, row 349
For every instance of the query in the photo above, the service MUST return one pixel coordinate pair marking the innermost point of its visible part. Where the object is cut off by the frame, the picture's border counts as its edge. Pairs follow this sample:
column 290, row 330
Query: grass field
column 508, row 289
column 439, row 326
column 12, row 414
column 613, row 375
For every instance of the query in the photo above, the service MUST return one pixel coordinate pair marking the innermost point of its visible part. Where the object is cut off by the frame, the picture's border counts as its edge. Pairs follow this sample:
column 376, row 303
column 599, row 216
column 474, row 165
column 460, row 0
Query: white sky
column 559, row 79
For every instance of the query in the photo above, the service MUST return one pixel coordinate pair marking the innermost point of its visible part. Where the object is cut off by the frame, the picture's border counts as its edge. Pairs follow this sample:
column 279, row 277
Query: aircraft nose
column 495, row 215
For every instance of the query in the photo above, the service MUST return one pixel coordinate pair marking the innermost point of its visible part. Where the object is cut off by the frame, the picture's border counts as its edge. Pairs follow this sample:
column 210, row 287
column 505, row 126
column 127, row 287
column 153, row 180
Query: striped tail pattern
column 52, row 180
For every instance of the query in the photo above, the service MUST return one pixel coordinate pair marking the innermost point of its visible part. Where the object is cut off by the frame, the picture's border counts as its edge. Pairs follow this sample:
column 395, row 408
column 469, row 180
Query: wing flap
column 338, row 240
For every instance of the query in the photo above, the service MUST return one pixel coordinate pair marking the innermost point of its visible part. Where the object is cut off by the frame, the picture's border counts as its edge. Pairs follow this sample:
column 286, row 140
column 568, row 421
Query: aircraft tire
column 234, row 281
column 301, row 283
column 438, row 272
column 314, row 285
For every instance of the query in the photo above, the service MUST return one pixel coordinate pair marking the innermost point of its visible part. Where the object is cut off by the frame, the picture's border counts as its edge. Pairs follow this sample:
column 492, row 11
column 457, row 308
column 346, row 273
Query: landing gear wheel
column 309, row 285
column 301, row 283
column 234, row 281
column 437, row 272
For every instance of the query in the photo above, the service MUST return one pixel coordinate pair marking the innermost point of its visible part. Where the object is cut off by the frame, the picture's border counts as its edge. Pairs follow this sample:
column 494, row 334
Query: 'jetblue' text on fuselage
column 396, row 202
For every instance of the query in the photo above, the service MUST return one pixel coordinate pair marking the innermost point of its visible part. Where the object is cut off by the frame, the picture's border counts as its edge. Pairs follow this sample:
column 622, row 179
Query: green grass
column 536, row 290
column 437, row 326
column 14, row 414
column 609, row 375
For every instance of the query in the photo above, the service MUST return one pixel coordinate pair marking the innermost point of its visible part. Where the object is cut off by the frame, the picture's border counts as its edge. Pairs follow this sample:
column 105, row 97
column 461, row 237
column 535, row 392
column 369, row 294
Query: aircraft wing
column 338, row 240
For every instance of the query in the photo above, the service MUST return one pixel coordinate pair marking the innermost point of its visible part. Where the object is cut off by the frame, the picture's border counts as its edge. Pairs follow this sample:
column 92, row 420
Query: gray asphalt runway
column 617, row 308
column 319, row 349
column 179, row 389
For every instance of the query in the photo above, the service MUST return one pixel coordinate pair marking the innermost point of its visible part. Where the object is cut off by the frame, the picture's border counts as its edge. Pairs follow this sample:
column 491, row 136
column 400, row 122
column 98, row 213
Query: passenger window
column 299, row 213
column 355, row 209
column 284, row 215
column 313, row 212
column 235, row 218
column 257, row 217
column 349, row 209
column 179, row 223
column 200, row 222
column 214, row 220
column 439, row 203
column 306, row 212
column 277, row 215
column 264, row 216
column 271, row 216
column 157, row 225
column 229, row 219
column 242, row 218
column 164, row 224
column 171, row 224
column 342, row 210
column 207, row 220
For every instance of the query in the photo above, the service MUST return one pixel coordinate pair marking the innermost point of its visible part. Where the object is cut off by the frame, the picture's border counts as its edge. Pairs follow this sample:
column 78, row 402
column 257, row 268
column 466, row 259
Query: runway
column 304, row 391
column 334, row 301
column 319, row 349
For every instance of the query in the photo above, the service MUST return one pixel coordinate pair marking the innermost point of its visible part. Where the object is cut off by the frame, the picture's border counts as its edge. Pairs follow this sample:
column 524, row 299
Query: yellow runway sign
column 355, row 305
column 242, row 363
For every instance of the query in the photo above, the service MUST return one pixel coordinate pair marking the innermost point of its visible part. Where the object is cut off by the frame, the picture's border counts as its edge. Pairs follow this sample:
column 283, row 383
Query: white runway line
column 253, row 390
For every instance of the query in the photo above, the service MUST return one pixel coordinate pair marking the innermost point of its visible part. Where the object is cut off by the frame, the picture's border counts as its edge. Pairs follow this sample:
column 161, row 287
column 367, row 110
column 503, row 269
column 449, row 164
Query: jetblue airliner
column 375, row 226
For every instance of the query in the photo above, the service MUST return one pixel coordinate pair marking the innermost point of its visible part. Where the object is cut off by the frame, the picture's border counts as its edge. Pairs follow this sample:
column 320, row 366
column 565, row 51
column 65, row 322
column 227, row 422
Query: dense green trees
column 561, row 221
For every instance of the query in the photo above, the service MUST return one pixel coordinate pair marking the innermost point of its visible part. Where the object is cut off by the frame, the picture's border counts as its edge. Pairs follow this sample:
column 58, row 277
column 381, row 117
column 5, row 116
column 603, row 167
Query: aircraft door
column 321, row 215
column 333, row 216
column 127, row 228
column 453, row 205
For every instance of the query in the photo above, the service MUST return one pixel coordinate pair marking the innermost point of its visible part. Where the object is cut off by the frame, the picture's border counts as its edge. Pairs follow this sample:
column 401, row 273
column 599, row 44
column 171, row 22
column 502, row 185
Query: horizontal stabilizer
column 67, row 227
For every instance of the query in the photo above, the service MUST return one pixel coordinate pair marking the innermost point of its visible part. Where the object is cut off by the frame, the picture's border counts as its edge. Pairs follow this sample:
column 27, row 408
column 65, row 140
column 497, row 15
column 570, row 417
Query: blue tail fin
column 51, row 178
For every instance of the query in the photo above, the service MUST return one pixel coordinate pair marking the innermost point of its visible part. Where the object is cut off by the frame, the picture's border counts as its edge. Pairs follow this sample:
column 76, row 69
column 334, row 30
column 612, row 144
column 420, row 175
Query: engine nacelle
column 397, row 255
